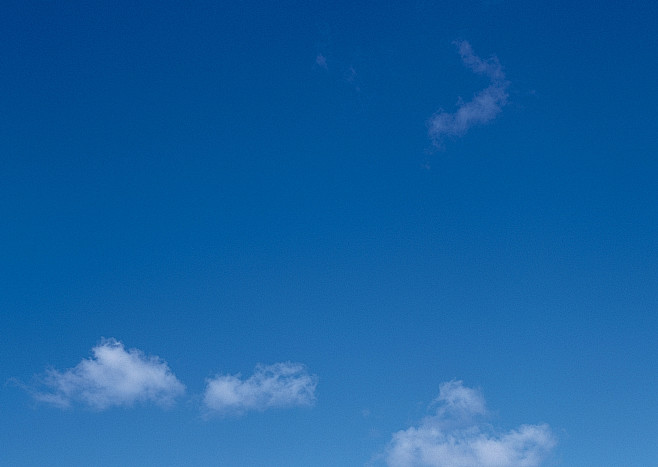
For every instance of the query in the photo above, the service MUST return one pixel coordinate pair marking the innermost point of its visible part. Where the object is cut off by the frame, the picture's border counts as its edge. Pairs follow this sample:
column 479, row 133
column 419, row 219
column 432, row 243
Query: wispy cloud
column 485, row 104
column 455, row 436
column 321, row 61
column 279, row 385
column 113, row 376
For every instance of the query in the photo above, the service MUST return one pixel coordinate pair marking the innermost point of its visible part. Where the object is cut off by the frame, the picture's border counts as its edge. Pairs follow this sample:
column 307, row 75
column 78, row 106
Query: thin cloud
column 279, row 385
column 455, row 437
column 485, row 104
column 458, row 401
column 321, row 61
column 352, row 77
column 113, row 376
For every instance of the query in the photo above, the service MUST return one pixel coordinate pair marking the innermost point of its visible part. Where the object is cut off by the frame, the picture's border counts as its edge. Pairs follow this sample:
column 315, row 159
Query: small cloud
column 279, row 385
column 350, row 75
column 490, row 67
column 321, row 61
column 458, row 401
column 485, row 104
column 455, row 437
column 111, row 377
column 352, row 78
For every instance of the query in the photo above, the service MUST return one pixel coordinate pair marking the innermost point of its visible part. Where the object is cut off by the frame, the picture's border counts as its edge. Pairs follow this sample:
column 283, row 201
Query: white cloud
column 111, row 377
column 459, row 401
column 455, row 437
column 279, row 385
column 485, row 104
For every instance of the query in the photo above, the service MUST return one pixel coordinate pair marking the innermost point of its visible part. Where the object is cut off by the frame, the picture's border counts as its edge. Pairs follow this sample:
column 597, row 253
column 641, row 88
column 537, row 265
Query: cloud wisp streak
column 113, row 376
column 279, row 385
column 484, row 106
column 456, row 437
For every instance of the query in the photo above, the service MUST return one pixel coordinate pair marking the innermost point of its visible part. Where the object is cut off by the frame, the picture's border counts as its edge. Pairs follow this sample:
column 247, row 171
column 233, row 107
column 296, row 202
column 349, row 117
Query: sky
column 329, row 233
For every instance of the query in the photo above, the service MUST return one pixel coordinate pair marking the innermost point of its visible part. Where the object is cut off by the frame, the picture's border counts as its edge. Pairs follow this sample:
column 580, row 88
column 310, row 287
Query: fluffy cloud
column 455, row 437
column 485, row 104
column 279, row 385
column 113, row 376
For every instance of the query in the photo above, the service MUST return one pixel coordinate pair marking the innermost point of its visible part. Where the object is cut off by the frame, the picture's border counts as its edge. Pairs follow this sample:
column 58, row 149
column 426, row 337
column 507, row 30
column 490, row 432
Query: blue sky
column 319, row 234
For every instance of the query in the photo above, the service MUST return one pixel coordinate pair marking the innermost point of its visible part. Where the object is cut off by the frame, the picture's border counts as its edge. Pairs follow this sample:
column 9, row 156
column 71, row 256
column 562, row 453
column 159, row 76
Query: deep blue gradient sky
column 227, row 184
